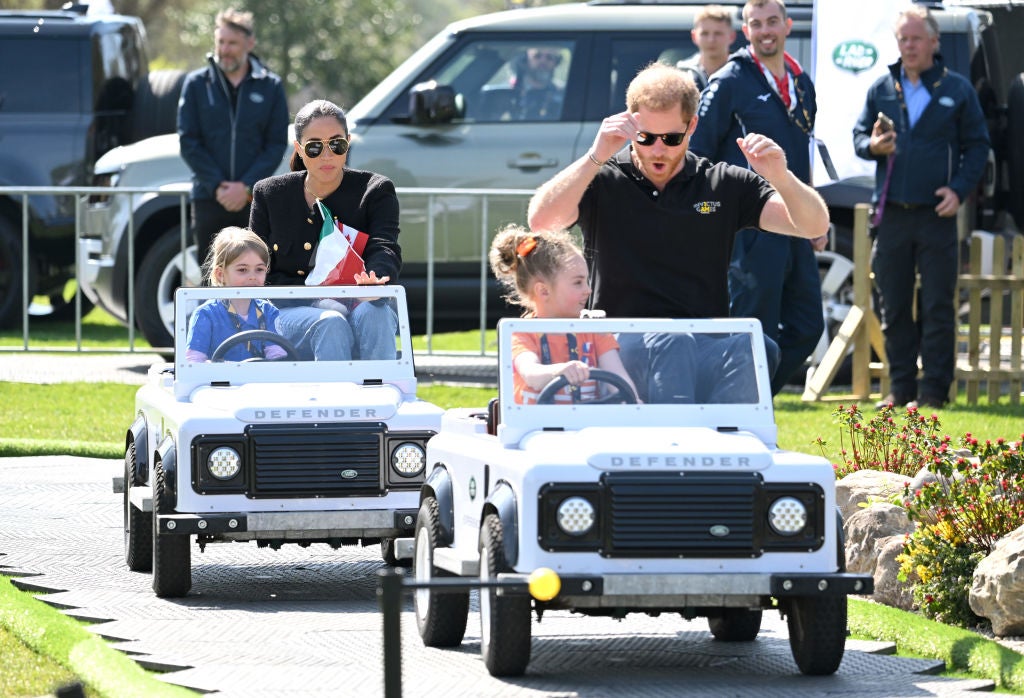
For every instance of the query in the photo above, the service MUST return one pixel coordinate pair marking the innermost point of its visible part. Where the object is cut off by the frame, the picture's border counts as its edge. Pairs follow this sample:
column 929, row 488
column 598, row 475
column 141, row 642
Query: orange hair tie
column 526, row 246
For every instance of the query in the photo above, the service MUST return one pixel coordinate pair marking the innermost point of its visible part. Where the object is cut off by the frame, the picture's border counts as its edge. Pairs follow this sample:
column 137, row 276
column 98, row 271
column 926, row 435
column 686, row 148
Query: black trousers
column 907, row 243
column 208, row 218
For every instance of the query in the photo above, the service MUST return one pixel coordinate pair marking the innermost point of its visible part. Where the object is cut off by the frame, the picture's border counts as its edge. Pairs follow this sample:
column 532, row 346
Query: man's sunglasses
column 669, row 139
column 313, row 148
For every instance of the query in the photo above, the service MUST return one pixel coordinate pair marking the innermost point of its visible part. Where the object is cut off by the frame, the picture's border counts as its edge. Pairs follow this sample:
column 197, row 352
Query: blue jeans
column 775, row 279
column 368, row 332
column 692, row 369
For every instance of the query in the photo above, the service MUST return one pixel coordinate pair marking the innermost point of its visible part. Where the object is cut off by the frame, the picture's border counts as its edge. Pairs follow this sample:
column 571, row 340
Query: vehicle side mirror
column 430, row 103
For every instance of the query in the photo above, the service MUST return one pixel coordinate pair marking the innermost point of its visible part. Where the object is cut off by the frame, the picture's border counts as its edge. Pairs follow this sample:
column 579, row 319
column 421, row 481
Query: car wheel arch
column 501, row 501
column 138, row 434
column 439, row 486
column 166, row 456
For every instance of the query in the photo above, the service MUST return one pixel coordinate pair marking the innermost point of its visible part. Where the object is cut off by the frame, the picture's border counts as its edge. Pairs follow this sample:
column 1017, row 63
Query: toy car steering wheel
column 625, row 395
column 254, row 336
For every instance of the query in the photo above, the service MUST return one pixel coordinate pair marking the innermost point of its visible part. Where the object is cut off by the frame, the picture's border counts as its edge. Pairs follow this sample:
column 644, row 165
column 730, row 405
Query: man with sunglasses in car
column 659, row 222
column 762, row 89
column 232, row 126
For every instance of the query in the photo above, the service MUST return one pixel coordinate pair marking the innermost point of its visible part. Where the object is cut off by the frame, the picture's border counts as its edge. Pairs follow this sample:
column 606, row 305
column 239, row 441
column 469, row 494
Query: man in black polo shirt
column 658, row 222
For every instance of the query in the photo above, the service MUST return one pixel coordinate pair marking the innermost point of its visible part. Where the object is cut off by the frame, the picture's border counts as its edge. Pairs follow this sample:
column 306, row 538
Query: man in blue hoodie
column 232, row 126
column 924, row 127
column 762, row 89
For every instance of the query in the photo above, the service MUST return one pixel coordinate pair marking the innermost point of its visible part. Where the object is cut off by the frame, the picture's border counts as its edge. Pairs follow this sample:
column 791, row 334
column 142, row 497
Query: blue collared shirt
column 916, row 96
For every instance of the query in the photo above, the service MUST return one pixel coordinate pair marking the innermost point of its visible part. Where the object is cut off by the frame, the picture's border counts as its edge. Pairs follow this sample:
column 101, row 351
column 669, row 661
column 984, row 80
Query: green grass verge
column 961, row 650
column 65, row 643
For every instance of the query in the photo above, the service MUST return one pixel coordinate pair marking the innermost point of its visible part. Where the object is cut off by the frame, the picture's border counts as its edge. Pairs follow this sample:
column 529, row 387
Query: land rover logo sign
column 855, row 56
column 719, row 531
column 349, row 474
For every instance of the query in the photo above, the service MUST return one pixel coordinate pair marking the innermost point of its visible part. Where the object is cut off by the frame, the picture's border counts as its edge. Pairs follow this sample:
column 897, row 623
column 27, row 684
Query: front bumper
column 699, row 590
column 291, row 526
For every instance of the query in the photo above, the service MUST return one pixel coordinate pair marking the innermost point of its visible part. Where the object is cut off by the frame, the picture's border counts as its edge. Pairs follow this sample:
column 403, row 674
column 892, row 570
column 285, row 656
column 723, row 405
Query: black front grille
column 683, row 515
column 313, row 460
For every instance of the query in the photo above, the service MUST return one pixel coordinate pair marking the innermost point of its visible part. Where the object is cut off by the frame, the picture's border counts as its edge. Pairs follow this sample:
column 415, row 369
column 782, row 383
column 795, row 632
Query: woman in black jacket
column 288, row 213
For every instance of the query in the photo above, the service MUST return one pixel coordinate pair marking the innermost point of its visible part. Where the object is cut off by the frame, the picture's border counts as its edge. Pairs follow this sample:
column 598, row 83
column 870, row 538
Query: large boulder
column 997, row 592
column 888, row 588
column 867, row 485
column 866, row 527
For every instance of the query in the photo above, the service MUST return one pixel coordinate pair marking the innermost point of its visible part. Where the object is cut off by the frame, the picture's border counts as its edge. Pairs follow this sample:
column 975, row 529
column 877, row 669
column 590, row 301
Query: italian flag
column 338, row 257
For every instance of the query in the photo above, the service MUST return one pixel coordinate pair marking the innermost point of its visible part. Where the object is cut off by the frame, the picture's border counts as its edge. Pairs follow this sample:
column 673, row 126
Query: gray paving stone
column 304, row 621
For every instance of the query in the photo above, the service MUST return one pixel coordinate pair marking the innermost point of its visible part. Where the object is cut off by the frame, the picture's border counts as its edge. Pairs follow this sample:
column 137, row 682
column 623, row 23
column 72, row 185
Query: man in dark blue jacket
column 762, row 89
column 233, row 128
column 931, row 146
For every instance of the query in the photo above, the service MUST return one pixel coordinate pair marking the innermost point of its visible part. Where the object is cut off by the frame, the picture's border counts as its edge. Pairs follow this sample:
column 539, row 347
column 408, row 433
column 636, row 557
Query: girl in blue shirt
column 237, row 257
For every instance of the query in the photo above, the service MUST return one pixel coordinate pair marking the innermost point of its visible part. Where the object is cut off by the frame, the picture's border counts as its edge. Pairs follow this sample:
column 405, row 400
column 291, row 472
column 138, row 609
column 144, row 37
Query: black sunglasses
column 313, row 148
column 669, row 139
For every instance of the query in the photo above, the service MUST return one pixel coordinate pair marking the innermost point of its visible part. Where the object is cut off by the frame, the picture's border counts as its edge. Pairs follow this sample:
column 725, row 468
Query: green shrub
column 880, row 444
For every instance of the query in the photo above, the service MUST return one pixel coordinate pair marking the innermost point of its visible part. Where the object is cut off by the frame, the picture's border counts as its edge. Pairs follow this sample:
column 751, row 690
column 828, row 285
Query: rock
column 888, row 588
column 997, row 592
column 866, row 527
column 863, row 485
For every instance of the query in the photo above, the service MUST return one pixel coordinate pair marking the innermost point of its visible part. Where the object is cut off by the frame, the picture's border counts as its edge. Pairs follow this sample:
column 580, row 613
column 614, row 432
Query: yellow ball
column 544, row 584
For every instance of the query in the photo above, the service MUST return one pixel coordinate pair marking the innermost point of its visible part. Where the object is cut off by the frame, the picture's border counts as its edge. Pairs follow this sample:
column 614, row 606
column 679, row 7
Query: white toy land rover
column 680, row 502
column 284, row 451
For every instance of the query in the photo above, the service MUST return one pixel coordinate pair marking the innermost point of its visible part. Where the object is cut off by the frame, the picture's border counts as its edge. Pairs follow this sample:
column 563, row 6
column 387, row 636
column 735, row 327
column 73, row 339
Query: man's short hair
column 235, row 19
column 661, row 87
column 761, row 3
column 922, row 13
column 716, row 13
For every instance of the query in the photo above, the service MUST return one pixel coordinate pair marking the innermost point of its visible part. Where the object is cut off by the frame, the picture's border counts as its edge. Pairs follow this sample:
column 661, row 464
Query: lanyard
column 788, row 90
column 545, row 357
column 261, row 323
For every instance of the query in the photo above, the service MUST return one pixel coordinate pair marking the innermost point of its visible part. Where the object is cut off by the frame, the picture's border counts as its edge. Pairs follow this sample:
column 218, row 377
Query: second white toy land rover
column 680, row 502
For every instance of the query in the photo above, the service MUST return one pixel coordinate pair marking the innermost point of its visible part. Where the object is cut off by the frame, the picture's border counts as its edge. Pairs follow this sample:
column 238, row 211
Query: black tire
column 440, row 618
column 10, row 275
column 387, row 552
column 138, row 525
column 504, row 620
column 172, row 557
column 159, row 274
column 735, row 624
column 155, row 109
column 1015, row 149
column 817, row 633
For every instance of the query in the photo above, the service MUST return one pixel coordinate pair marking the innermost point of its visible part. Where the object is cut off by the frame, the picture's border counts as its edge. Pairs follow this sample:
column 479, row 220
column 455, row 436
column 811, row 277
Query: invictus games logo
column 706, row 207
column 855, row 56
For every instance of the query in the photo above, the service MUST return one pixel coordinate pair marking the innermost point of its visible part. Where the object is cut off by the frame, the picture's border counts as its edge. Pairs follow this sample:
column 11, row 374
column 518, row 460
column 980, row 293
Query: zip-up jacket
column 738, row 100
column 948, row 146
column 223, row 143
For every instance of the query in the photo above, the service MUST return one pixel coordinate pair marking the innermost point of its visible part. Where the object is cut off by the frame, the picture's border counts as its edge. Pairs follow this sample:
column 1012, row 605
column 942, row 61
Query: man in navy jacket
column 931, row 152
column 232, row 126
column 762, row 89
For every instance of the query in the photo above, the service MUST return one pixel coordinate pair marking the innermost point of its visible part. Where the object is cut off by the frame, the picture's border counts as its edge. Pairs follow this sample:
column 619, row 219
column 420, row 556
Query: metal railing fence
column 435, row 207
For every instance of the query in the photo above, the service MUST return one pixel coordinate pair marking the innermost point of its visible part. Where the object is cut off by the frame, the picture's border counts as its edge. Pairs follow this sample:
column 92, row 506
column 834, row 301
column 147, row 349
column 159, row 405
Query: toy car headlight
column 787, row 516
column 575, row 516
column 224, row 463
column 408, row 459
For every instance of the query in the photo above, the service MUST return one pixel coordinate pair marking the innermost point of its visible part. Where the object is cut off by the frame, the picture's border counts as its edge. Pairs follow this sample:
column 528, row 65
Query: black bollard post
column 389, row 593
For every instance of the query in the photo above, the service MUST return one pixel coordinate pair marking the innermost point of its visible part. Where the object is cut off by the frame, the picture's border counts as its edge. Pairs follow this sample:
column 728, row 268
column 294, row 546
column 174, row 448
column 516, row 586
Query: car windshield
column 291, row 333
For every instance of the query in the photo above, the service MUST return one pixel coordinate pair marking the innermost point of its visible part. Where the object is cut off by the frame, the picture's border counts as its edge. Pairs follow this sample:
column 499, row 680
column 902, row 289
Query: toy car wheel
column 292, row 354
column 387, row 552
column 138, row 525
column 625, row 393
column 504, row 619
column 440, row 617
column 172, row 558
column 817, row 633
column 735, row 624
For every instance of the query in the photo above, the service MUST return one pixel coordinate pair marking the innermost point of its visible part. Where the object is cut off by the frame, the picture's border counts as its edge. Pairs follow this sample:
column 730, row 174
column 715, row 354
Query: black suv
column 72, row 86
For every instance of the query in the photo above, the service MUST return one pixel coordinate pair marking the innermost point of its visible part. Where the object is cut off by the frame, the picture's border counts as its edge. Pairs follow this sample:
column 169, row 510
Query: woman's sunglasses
column 313, row 148
column 669, row 139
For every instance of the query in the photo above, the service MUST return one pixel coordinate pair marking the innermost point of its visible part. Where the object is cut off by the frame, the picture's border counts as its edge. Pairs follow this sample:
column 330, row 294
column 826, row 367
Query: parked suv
column 453, row 115
column 72, row 86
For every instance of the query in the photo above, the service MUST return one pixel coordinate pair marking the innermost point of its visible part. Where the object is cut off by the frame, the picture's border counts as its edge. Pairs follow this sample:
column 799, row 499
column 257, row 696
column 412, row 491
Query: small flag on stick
column 338, row 257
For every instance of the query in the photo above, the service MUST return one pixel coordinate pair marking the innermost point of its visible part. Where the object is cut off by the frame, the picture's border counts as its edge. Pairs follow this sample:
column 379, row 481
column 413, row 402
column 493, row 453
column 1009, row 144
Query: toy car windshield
column 248, row 334
column 706, row 372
